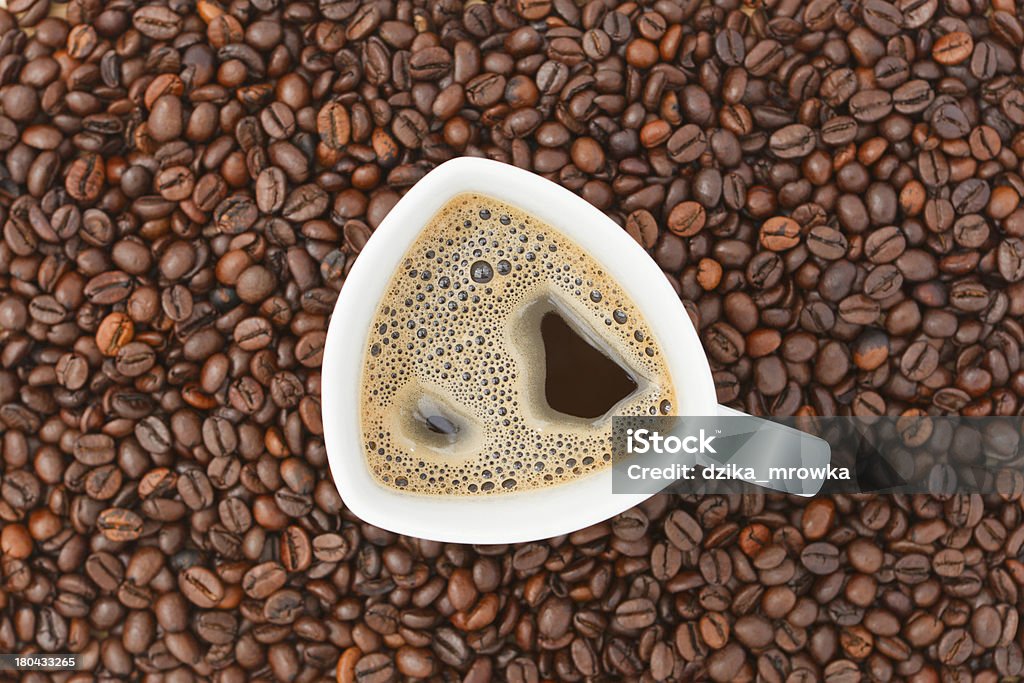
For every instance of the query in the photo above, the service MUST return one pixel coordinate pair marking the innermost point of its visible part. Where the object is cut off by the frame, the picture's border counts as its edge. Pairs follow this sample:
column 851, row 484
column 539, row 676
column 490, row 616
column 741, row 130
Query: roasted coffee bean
column 156, row 22
column 85, row 178
column 200, row 586
column 838, row 131
column 683, row 531
column 820, row 558
column 1010, row 259
column 687, row 219
column 686, row 144
column 271, row 189
column 430, row 64
column 882, row 17
column 885, row 244
column 953, row 48
column 949, row 121
column 635, row 614
column 264, row 579
column 94, row 449
column 764, row 57
column 304, row 203
column 871, row 105
column 827, row 243
column 780, row 233
column 793, row 141
column 134, row 359
column 118, row 524
column 334, row 125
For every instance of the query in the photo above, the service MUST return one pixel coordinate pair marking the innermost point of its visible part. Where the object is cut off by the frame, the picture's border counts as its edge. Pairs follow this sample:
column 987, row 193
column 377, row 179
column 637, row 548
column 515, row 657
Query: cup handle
column 785, row 446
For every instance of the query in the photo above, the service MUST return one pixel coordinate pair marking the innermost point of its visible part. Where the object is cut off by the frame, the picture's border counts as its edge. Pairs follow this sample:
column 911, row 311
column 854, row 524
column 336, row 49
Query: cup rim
column 519, row 517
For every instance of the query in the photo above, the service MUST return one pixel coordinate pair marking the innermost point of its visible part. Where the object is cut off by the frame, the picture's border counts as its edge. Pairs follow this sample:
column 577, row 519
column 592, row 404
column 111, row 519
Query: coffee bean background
column 833, row 188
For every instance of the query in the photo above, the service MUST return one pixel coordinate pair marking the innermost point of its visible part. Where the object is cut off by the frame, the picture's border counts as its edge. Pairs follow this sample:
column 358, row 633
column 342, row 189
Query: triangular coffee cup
column 505, row 517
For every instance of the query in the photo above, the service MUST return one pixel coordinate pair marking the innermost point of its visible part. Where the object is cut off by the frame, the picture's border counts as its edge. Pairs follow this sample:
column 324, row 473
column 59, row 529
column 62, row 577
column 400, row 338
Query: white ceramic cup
column 516, row 517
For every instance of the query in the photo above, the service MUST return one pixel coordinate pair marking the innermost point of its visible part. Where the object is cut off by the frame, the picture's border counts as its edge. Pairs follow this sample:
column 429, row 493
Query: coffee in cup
column 497, row 355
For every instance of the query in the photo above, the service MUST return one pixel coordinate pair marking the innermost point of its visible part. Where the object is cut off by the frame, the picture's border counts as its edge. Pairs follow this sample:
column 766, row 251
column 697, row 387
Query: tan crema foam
column 456, row 334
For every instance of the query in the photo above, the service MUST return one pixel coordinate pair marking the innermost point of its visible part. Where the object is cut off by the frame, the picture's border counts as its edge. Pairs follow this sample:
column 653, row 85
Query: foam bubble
column 450, row 337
